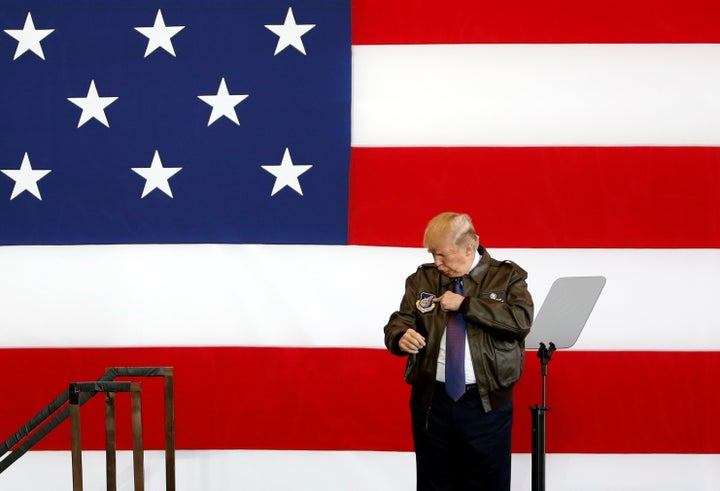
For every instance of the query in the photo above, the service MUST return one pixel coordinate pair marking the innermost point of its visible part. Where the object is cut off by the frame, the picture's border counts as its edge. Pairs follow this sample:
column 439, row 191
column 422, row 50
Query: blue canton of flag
column 149, row 122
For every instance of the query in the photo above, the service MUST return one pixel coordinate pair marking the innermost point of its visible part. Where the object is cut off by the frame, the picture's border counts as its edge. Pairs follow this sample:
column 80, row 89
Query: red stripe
column 354, row 399
column 631, row 402
column 535, row 21
column 654, row 197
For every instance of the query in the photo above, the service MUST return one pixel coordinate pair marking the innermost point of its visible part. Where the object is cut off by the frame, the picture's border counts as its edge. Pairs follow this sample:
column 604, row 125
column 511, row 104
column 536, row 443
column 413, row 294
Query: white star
column 92, row 105
column 159, row 35
column 156, row 176
column 223, row 104
column 25, row 178
column 29, row 38
column 286, row 173
column 290, row 33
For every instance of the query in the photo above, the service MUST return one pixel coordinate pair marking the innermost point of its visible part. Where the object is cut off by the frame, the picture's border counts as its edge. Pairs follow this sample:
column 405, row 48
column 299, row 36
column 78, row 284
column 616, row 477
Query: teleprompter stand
column 558, row 323
column 538, row 422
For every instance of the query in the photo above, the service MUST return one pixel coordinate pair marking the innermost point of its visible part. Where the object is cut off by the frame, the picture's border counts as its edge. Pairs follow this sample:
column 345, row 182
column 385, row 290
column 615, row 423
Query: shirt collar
column 476, row 261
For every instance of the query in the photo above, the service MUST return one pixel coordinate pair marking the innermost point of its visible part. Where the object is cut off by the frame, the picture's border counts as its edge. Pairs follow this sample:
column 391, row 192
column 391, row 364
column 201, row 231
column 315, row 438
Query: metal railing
column 68, row 404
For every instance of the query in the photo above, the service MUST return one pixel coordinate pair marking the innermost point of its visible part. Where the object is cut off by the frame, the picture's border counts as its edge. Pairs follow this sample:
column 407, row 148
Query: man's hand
column 411, row 342
column 449, row 301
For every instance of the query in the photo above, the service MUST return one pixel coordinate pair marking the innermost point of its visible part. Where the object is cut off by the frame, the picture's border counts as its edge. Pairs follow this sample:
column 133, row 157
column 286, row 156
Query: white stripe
column 310, row 296
column 536, row 95
column 215, row 470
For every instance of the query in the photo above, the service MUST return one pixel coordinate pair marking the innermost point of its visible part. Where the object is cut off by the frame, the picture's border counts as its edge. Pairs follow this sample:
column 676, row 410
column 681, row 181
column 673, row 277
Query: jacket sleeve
column 510, row 318
column 402, row 319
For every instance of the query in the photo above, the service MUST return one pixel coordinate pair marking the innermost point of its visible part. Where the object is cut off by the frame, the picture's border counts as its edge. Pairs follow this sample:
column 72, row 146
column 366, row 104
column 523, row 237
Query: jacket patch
column 497, row 296
column 425, row 304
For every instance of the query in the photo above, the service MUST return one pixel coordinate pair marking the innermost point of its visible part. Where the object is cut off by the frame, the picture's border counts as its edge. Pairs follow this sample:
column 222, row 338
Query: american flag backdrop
column 238, row 189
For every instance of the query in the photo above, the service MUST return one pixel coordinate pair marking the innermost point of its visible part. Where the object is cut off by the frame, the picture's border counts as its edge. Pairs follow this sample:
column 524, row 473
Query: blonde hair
column 457, row 226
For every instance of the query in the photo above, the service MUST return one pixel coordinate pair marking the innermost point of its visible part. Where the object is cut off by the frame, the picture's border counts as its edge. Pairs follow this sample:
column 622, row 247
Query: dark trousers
column 462, row 448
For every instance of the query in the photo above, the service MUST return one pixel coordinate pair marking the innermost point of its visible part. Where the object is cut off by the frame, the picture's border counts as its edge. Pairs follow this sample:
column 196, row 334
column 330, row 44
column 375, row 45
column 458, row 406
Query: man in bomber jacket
column 462, row 441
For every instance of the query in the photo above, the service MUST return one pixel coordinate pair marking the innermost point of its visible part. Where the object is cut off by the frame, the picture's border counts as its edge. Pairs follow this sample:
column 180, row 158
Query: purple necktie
column 455, row 351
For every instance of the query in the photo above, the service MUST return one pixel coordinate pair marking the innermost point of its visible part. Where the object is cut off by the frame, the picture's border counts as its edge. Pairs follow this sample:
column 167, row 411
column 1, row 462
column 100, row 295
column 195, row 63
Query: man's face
column 450, row 260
